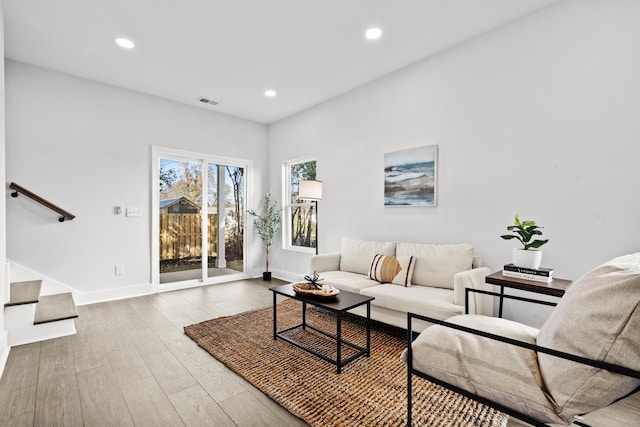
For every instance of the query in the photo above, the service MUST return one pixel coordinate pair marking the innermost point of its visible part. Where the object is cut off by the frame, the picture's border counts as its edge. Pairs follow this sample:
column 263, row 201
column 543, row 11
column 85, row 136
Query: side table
column 556, row 288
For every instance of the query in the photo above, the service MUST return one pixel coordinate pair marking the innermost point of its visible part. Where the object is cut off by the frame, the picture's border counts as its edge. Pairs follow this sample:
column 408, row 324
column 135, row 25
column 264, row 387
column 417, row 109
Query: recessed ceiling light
column 373, row 33
column 125, row 43
column 270, row 93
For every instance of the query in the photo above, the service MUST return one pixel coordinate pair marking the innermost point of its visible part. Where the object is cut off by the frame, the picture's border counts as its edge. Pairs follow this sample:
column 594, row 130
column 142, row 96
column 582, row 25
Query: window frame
column 288, row 206
column 159, row 152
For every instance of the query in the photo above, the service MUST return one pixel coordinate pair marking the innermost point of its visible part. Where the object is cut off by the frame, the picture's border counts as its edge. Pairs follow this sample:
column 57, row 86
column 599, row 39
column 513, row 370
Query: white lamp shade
column 310, row 190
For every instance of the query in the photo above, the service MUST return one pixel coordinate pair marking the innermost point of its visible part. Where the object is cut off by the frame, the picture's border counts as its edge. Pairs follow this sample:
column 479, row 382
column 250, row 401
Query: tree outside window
column 300, row 220
column 182, row 179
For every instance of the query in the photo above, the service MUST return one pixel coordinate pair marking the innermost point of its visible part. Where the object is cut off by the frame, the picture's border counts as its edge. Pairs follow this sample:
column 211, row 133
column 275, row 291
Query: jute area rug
column 370, row 391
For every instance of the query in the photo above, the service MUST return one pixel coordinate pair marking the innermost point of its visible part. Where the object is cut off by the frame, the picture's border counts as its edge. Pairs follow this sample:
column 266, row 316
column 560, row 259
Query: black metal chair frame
column 568, row 356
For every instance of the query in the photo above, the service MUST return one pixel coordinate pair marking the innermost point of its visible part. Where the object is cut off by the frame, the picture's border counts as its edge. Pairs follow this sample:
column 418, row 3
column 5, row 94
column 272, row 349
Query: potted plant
column 529, row 256
column 267, row 224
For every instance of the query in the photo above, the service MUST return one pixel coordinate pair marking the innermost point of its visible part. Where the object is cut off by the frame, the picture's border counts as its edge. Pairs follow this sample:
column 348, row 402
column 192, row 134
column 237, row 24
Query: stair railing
column 19, row 189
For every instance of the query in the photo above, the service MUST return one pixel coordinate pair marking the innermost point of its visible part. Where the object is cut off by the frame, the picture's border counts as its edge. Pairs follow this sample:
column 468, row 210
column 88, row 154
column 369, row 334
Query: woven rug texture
column 370, row 391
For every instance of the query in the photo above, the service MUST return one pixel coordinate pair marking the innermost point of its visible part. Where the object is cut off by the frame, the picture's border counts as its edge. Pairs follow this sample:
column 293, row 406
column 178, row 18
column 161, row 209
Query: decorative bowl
column 308, row 290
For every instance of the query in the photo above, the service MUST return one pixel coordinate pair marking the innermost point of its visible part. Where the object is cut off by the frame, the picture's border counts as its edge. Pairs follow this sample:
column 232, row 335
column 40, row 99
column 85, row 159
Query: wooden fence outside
column 181, row 236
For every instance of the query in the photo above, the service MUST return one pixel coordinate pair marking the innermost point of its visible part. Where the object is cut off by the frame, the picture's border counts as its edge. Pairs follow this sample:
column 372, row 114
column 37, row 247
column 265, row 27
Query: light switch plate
column 134, row 211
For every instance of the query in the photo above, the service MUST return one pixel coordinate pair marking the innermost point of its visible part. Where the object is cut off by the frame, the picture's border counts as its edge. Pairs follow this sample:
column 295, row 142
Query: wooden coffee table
column 337, row 305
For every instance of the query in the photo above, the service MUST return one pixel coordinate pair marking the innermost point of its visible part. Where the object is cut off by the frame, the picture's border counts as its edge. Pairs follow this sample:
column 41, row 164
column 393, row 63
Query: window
column 300, row 217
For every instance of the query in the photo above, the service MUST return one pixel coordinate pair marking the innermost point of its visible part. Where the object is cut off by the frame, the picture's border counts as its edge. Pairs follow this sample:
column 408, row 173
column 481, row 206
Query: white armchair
column 585, row 357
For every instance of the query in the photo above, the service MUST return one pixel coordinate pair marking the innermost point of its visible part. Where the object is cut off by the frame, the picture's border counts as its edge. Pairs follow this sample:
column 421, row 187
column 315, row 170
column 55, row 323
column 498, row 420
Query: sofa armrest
column 325, row 262
column 474, row 279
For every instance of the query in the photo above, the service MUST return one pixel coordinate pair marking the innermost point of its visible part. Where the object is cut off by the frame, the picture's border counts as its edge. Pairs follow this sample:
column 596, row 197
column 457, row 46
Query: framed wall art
column 410, row 177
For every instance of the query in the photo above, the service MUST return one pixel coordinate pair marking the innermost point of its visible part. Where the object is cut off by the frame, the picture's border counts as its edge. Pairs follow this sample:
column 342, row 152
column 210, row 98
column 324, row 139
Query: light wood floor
column 131, row 365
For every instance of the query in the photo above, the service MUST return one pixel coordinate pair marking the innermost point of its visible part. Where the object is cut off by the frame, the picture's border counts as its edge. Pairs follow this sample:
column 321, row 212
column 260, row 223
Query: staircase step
column 27, row 292
column 55, row 307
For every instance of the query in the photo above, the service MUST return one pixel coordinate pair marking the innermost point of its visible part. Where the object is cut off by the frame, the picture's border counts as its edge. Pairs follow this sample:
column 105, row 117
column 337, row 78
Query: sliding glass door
column 200, row 216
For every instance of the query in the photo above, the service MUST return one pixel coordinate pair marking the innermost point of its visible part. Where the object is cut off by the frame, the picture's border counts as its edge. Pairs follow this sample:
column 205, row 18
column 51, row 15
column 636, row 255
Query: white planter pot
column 526, row 259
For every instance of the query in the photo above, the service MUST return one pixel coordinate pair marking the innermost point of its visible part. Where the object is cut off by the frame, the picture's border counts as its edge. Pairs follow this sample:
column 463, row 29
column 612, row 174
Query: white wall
column 86, row 147
column 4, row 351
column 538, row 118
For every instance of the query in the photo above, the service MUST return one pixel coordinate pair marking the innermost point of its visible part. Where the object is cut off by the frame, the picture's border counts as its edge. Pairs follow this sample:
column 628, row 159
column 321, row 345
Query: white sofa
column 437, row 278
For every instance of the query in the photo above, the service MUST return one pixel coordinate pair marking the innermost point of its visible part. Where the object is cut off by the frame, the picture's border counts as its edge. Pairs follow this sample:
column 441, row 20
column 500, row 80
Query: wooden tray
column 305, row 289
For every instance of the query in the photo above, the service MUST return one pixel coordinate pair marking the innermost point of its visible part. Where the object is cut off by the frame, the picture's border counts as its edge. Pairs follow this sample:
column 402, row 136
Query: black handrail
column 44, row 202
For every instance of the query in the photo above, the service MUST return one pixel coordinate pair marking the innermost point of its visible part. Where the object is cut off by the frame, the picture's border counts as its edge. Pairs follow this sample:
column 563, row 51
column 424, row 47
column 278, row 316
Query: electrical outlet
column 119, row 269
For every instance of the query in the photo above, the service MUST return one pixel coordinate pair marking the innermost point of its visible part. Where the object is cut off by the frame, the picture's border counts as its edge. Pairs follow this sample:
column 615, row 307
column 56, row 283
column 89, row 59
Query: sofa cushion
column 599, row 318
column 390, row 269
column 433, row 302
column 484, row 367
column 356, row 255
column 437, row 264
column 346, row 281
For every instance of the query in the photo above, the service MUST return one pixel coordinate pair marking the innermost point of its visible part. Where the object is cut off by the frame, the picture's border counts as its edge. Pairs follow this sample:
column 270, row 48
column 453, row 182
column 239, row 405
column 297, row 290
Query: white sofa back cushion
column 437, row 264
column 356, row 255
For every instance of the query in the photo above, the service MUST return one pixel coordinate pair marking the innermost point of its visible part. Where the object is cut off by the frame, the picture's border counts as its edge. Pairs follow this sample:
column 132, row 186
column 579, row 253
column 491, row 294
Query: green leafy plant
column 524, row 231
column 267, row 223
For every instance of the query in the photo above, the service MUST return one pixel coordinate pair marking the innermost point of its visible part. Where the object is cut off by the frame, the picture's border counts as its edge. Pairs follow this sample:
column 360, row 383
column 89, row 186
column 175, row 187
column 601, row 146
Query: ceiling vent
column 207, row 101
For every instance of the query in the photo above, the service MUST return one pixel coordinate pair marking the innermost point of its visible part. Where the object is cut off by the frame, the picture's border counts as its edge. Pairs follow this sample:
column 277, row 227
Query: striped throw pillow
column 391, row 269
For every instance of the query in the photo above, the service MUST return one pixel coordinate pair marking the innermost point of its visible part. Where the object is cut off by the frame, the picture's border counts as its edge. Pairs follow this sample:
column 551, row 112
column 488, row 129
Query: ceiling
column 231, row 51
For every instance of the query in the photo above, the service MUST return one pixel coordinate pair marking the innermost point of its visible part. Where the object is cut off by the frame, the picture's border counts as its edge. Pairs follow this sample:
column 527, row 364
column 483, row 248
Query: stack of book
column 539, row 275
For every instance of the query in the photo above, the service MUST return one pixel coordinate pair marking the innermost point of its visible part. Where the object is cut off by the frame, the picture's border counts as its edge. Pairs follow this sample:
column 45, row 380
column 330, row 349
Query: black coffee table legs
column 360, row 351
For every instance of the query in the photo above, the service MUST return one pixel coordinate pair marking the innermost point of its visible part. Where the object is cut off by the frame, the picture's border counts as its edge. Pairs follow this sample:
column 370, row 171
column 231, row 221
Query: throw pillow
column 390, row 269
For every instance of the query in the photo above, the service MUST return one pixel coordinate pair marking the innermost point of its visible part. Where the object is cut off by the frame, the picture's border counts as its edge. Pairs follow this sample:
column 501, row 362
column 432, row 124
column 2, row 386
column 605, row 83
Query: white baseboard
column 83, row 298
column 102, row 295
column 287, row 276
column 51, row 286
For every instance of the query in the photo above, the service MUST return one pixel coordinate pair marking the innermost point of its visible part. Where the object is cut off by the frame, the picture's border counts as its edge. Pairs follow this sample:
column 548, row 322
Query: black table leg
column 275, row 327
column 304, row 315
column 368, row 323
column 339, row 342
column 501, row 301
